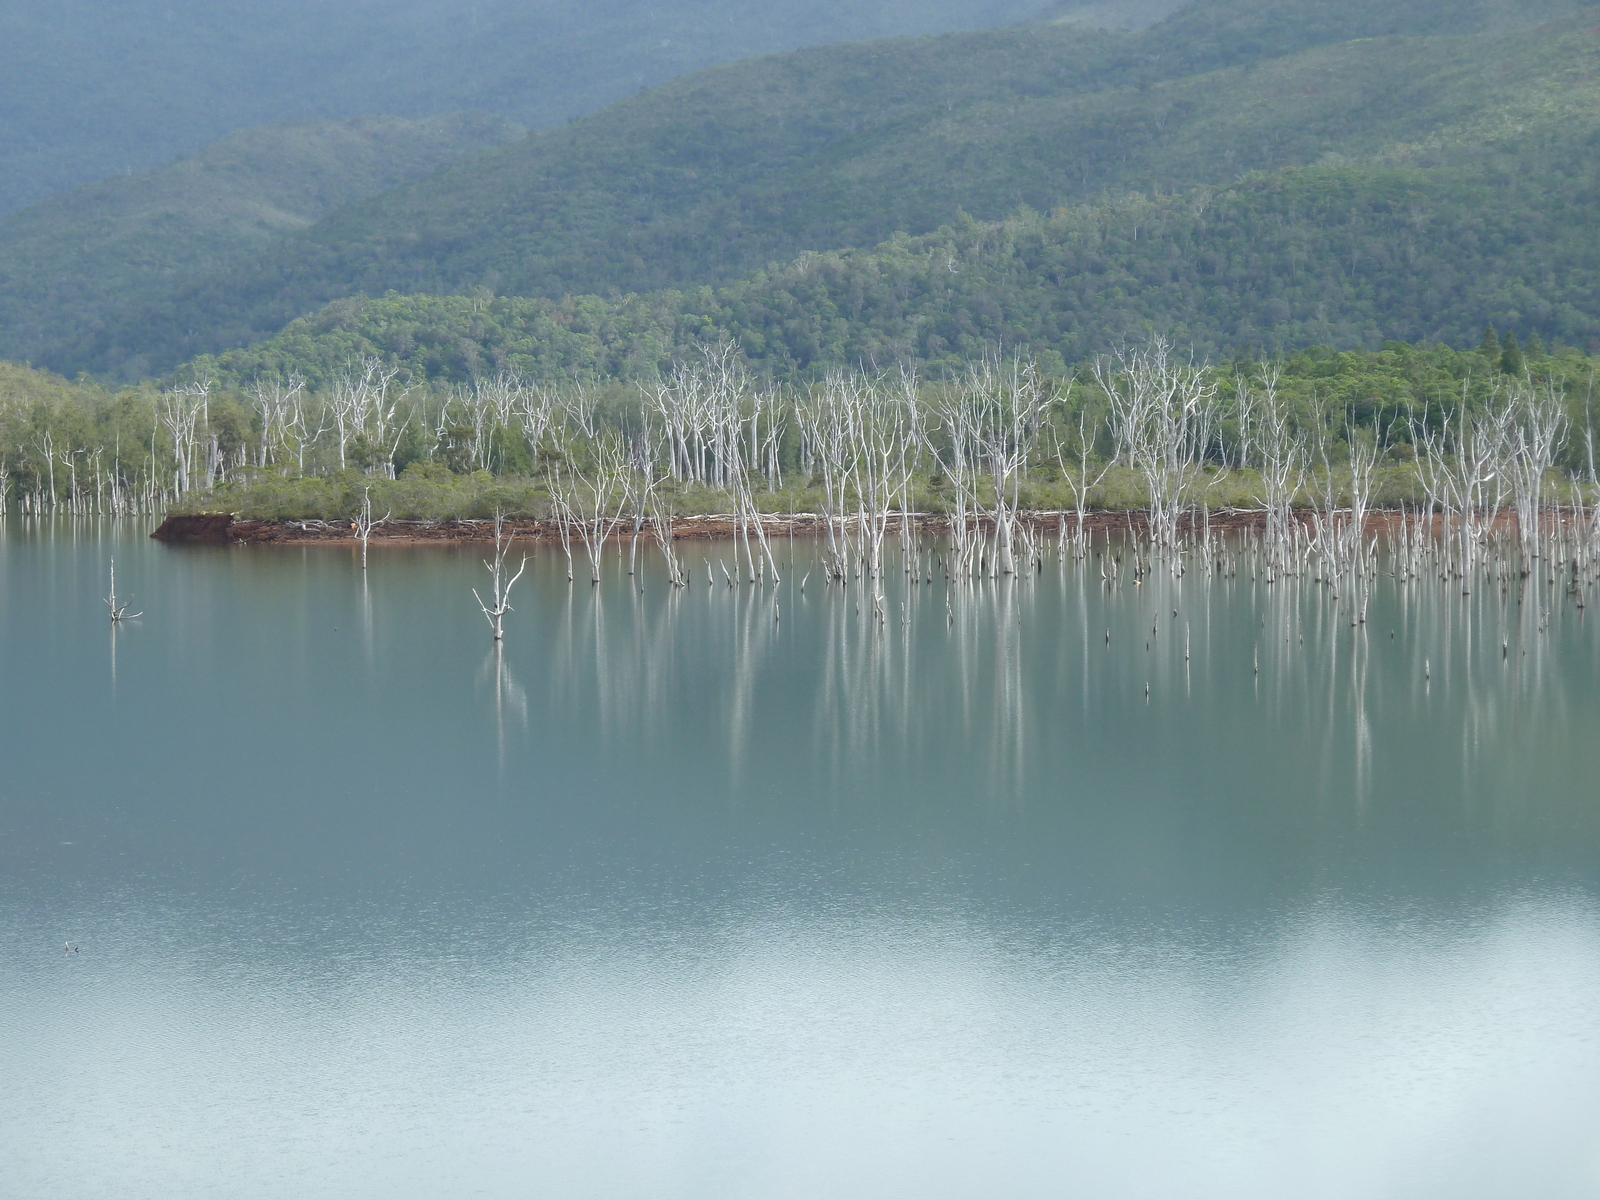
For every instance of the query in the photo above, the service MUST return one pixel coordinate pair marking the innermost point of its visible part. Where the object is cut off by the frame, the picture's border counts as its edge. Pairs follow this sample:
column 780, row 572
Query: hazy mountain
column 718, row 174
column 78, row 258
column 97, row 87
column 1438, row 183
column 1229, row 31
column 1343, row 256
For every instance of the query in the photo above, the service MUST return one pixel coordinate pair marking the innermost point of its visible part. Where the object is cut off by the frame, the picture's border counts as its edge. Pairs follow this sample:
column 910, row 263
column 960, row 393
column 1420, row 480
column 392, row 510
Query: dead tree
column 363, row 525
column 364, row 405
column 1283, row 463
column 1078, row 476
column 1535, row 429
column 500, row 593
column 298, row 425
column 119, row 612
column 595, row 502
column 182, row 412
column 1163, row 411
column 661, row 528
column 277, row 402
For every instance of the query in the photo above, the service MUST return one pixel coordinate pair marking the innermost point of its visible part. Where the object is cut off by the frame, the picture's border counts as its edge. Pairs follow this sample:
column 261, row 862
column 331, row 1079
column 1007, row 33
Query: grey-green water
column 677, row 899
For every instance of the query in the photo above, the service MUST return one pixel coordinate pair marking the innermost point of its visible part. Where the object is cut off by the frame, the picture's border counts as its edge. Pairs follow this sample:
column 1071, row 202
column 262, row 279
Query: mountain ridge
column 101, row 87
column 639, row 201
column 1321, row 255
column 714, row 177
column 79, row 255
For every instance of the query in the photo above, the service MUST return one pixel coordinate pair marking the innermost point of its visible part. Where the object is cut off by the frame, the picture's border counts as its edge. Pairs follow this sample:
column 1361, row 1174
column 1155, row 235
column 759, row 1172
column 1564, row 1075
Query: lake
column 1029, row 888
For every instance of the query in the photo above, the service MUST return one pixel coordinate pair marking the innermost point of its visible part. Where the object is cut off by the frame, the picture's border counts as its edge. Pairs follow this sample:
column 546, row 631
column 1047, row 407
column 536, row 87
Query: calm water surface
column 733, row 893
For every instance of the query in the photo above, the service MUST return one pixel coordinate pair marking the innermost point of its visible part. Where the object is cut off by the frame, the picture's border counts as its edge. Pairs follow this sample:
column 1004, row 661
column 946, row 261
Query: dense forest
column 1329, row 255
column 715, row 177
column 78, row 258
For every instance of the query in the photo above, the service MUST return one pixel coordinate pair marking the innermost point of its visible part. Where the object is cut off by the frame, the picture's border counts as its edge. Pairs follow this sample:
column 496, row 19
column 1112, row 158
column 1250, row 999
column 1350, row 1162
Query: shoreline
column 225, row 529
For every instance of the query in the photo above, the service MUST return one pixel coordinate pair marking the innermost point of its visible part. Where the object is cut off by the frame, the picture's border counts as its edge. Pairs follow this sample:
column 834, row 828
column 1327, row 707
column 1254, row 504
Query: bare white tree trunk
column 499, row 604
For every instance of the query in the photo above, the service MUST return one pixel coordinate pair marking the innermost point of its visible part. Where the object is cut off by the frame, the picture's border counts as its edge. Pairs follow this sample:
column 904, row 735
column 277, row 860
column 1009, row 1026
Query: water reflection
column 993, row 679
column 732, row 891
column 510, row 697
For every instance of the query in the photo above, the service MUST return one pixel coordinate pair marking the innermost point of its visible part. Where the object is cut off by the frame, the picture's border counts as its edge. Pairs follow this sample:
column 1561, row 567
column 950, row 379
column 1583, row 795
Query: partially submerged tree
column 119, row 612
column 1163, row 414
column 499, row 603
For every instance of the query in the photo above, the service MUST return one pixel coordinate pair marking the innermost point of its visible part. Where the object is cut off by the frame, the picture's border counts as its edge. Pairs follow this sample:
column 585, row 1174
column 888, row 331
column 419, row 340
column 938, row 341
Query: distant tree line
column 309, row 446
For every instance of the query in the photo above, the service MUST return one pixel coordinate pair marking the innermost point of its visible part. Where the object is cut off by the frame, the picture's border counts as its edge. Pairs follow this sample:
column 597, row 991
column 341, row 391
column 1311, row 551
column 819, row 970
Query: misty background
column 95, row 88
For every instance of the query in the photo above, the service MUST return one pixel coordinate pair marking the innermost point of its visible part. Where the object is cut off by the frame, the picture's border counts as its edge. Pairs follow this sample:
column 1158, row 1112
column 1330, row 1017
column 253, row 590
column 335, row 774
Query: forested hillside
column 1333, row 255
column 76, row 259
column 1444, row 180
column 96, row 88
column 720, row 175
